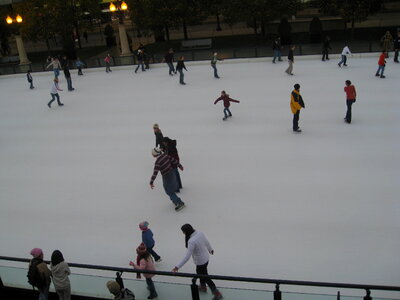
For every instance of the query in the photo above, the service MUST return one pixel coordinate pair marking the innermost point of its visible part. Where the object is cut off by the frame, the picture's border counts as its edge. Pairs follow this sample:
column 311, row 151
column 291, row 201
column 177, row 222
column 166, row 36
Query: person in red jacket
column 227, row 103
column 350, row 91
column 382, row 64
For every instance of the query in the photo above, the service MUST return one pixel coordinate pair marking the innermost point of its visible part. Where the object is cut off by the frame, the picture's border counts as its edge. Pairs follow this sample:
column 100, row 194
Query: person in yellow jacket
column 296, row 103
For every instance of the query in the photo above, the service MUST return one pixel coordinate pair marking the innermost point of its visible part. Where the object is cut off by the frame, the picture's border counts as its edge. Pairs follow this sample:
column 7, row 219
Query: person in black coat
column 179, row 67
column 290, row 58
column 159, row 135
column 396, row 47
column 169, row 148
column 29, row 78
column 169, row 59
column 326, row 46
column 140, row 58
column 67, row 74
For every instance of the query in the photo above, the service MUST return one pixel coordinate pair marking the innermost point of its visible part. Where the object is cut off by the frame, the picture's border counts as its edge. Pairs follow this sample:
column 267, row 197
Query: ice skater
column 169, row 148
column 326, row 46
column 214, row 60
column 148, row 240
column 79, row 64
column 30, row 80
column 67, row 75
column 158, row 134
column 165, row 164
column 179, row 67
column 55, row 64
column 227, row 103
column 145, row 262
column 140, row 58
column 345, row 52
column 54, row 93
column 276, row 48
column 296, row 104
column 381, row 65
column 169, row 60
column 107, row 61
column 351, row 95
column 200, row 249
column 290, row 58
column 396, row 47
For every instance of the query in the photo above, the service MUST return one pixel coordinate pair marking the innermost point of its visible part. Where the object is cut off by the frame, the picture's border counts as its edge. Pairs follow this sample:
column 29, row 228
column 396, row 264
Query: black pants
column 296, row 118
column 396, row 55
column 325, row 54
column 349, row 103
column 202, row 269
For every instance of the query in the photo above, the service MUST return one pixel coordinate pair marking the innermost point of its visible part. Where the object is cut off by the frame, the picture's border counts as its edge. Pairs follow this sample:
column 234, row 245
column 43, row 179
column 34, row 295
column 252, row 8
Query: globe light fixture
column 112, row 7
column 124, row 6
column 9, row 20
column 19, row 19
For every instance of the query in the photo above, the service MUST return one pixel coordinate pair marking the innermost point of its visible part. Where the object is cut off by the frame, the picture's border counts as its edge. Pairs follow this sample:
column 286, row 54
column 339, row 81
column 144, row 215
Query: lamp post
column 23, row 58
column 121, row 27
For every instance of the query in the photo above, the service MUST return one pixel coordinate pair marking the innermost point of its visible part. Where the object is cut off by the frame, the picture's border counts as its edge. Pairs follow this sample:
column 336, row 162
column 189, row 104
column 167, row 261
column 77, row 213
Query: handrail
column 226, row 278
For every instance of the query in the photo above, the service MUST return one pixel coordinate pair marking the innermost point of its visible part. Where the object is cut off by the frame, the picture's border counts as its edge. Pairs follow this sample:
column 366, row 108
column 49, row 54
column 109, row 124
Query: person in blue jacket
column 147, row 239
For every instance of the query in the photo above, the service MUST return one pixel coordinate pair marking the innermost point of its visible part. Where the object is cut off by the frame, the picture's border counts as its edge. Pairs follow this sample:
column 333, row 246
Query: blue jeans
column 171, row 68
column 227, row 112
column 381, row 69
column 215, row 70
column 69, row 83
column 151, row 287
column 140, row 63
column 170, row 185
column 178, row 180
column 44, row 293
column 277, row 53
column 53, row 97
column 344, row 60
column 31, row 82
column 56, row 72
column 181, row 76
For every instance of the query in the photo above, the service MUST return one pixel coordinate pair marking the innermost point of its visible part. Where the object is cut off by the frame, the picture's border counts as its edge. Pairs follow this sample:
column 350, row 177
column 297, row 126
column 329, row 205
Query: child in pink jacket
column 144, row 261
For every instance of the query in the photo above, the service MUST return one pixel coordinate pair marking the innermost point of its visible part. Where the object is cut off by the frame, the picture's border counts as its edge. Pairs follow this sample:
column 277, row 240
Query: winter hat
column 114, row 287
column 156, row 126
column 36, row 252
column 156, row 151
column 141, row 249
column 296, row 86
column 144, row 225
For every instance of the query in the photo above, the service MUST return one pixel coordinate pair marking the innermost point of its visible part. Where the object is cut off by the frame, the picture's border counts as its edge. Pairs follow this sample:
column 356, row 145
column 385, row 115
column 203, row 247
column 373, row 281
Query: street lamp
column 121, row 27
column 23, row 58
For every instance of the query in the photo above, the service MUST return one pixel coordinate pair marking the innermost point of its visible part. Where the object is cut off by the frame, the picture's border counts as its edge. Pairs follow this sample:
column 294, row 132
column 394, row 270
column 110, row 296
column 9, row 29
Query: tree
column 315, row 30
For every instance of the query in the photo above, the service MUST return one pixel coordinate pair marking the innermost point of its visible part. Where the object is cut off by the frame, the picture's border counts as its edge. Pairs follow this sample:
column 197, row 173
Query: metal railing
column 194, row 287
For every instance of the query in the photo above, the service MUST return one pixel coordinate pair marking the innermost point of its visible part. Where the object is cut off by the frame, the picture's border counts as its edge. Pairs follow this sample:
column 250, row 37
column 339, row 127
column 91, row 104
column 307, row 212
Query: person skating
column 276, row 48
column 351, row 95
column 60, row 272
column 145, row 262
column 30, row 80
column 200, row 249
column 396, row 47
column 289, row 70
column 296, row 104
column 55, row 64
column 67, row 75
column 179, row 67
column 54, row 93
column 381, row 65
column 165, row 164
column 343, row 60
column 41, row 273
column 79, row 64
column 148, row 240
column 169, row 59
column 107, row 60
column 169, row 148
column 227, row 103
column 158, row 134
column 140, row 59
column 326, row 46
column 214, row 60
column 386, row 43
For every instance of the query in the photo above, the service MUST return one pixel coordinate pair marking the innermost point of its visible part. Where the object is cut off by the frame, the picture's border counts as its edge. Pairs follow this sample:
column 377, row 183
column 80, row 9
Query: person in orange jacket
column 296, row 104
column 381, row 65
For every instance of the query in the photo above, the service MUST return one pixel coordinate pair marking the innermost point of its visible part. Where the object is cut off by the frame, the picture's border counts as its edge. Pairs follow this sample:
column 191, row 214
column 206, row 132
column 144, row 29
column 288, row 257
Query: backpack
column 34, row 277
column 127, row 294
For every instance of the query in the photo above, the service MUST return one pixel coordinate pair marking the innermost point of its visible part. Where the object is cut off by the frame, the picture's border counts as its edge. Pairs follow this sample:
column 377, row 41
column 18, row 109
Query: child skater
column 30, row 80
column 145, row 262
column 54, row 93
column 227, row 100
column 107, row 61
column 148, row 241
column 79, row 64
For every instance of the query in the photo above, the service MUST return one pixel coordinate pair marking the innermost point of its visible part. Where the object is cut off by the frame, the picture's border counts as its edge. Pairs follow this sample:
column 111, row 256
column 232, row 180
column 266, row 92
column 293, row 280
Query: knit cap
column 141, row 249
column 113, row 287
column 36, row 252
column 156, row 151
column 156, row 126
column 144, row 225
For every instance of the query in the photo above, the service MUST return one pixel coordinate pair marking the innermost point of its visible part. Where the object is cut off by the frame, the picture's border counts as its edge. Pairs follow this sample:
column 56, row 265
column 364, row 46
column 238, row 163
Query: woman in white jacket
column 199, row 248
column 60, row 271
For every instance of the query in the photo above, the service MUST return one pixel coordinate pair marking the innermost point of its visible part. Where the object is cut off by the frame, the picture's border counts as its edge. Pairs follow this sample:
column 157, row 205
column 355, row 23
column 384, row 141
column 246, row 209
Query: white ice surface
column 322, row 205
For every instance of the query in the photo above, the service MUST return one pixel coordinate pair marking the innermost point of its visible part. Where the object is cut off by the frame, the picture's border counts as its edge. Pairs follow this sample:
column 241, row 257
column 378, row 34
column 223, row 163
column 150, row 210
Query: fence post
column 368, row 296
column 195, row 290
column 256, row 52
column 277, row 293
column 370, row 46
column 338, row 295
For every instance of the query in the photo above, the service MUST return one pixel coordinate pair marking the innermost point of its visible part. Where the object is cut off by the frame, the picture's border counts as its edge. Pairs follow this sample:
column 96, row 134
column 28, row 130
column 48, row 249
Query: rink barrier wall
column 200, row 63
column 277, row 294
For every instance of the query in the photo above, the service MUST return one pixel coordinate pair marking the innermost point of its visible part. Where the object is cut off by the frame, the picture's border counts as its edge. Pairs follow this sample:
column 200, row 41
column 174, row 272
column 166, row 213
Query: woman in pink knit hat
column 39, row 274
column 145, row 262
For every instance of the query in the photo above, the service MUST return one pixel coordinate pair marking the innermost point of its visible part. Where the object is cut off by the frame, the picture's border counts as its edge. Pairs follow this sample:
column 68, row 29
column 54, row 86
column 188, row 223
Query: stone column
column 23, row 58
column 123, row 39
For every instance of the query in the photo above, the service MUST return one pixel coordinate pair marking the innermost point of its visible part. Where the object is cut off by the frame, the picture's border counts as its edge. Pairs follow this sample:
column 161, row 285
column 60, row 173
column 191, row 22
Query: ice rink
column 322, row 205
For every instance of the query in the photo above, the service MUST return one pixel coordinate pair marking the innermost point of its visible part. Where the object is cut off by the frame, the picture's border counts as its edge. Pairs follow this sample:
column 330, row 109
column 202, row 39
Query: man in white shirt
column 345, row 51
